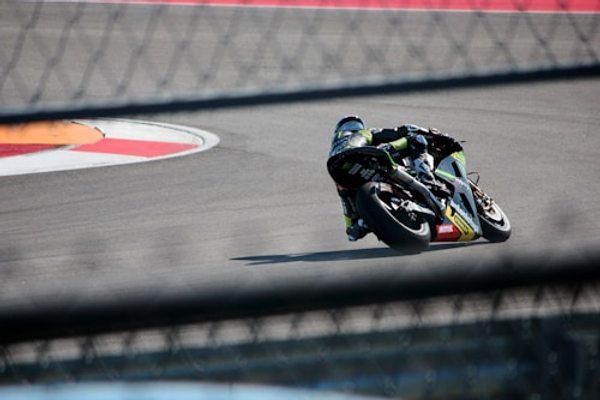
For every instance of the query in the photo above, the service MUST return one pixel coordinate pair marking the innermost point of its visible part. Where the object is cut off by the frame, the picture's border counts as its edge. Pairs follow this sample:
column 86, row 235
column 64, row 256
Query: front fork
column 482, row 200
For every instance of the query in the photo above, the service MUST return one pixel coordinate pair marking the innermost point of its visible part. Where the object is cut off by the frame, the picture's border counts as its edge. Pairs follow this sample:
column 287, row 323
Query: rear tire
column 407, row 232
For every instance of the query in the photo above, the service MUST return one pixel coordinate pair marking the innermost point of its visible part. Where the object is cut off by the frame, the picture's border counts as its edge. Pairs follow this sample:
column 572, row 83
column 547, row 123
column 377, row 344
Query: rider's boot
column 355, row 226
column 356, row 229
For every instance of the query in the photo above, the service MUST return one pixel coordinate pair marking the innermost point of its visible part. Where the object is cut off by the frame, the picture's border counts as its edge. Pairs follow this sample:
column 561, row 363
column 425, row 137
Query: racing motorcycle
column 407, row 215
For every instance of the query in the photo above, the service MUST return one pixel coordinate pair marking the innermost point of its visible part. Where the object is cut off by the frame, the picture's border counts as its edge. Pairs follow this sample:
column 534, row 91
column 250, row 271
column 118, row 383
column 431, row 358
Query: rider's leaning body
column 396, row 138
column 405, row 140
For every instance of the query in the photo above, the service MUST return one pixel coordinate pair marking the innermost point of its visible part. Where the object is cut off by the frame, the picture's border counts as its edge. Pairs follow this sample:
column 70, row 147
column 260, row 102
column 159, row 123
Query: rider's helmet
column 350, row 123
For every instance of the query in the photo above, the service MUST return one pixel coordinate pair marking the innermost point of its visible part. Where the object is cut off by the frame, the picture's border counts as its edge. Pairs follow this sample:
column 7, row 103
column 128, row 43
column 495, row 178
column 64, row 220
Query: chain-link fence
column 512, row 334
column 62, row 60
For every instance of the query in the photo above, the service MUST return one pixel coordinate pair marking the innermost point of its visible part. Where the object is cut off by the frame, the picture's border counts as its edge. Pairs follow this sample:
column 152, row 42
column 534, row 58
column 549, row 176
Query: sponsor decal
column 446, row 228
column 447, row 233
column 466, row 217
column 355, row 168
column 455, row 214
column 461, row 225
column 367, row 174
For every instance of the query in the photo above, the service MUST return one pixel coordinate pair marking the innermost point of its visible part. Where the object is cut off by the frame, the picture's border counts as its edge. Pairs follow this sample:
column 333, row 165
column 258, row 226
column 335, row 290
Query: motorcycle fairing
column 455, row 228
column 461, row 222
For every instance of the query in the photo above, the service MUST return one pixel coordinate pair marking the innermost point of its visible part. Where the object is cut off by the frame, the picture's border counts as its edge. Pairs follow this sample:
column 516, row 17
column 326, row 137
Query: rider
column 406, row 140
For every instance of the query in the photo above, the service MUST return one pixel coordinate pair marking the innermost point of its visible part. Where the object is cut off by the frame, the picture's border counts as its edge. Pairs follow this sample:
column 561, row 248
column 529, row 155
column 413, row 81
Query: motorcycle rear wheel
column 402, row 230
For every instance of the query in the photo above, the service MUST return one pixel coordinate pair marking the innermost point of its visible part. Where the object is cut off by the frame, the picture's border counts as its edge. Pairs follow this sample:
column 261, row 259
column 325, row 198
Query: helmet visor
column 353, row 125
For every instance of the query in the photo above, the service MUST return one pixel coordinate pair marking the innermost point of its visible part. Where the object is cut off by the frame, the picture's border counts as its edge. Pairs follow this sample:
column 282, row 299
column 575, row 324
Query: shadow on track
column 342, row 255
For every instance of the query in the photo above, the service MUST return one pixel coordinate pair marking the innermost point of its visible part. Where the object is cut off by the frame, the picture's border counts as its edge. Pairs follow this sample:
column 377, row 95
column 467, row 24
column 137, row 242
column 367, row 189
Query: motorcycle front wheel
column 383, row 212
column 495, row 225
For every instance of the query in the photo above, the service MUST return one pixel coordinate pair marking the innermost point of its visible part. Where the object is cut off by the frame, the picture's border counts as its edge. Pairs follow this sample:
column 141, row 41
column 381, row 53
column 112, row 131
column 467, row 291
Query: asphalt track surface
column 260, row 208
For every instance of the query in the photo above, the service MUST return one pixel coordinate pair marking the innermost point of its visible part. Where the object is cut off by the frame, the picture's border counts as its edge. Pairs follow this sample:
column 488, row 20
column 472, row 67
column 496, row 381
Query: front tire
column 402, row 230
column 495, row 225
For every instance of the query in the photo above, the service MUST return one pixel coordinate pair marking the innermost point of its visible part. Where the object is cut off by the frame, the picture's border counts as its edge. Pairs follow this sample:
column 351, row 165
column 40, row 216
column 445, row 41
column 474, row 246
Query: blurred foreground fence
column 518, row 330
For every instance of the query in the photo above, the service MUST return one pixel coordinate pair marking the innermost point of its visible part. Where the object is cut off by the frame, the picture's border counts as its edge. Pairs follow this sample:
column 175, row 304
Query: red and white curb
column 124, row 142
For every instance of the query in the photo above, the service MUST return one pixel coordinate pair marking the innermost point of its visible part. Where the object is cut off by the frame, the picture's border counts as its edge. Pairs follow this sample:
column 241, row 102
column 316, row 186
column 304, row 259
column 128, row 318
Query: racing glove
column 440, row 144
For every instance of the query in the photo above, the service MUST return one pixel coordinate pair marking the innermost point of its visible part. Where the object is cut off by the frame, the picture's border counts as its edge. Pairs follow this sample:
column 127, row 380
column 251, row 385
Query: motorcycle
column 407, row 215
